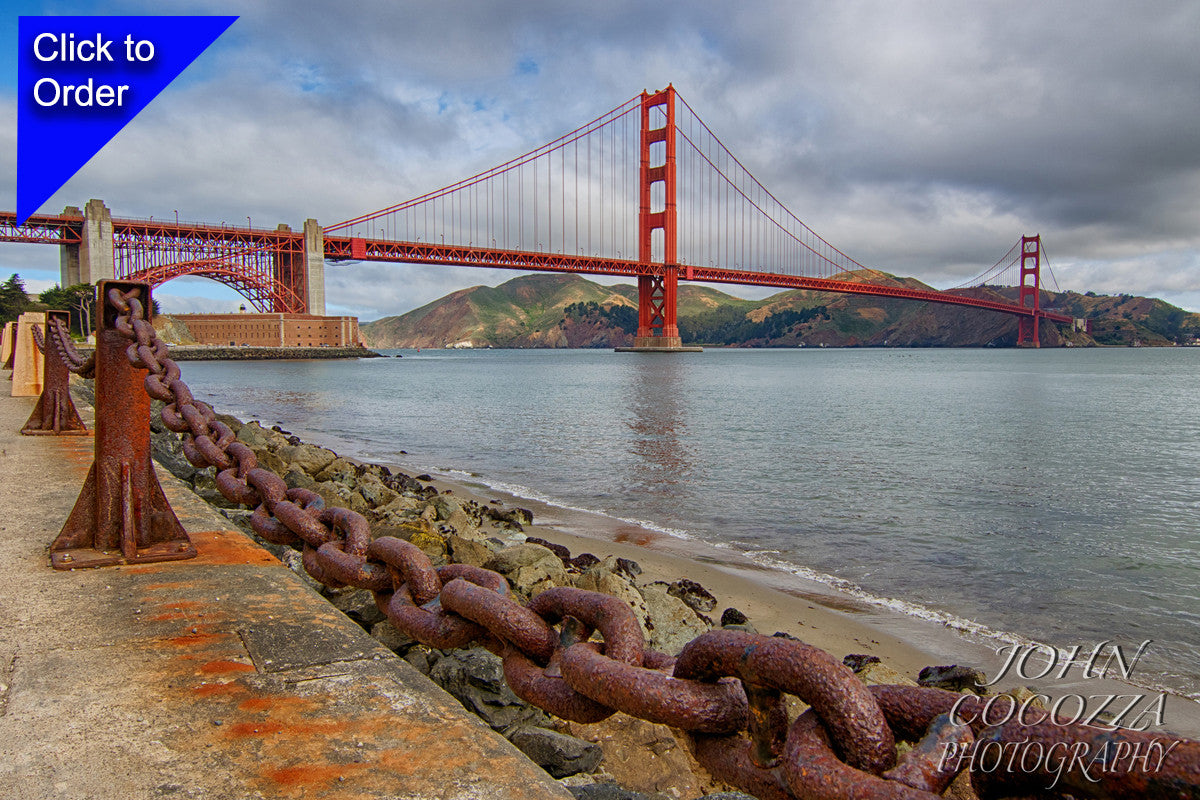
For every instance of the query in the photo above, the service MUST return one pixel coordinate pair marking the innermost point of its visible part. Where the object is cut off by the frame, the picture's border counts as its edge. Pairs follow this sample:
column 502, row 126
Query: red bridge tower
column 657, row 327
column 1030, row 295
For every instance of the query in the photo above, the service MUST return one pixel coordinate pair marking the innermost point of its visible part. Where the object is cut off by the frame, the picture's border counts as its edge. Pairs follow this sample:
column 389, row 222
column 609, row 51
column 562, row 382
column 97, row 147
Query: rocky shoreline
column 622, row 758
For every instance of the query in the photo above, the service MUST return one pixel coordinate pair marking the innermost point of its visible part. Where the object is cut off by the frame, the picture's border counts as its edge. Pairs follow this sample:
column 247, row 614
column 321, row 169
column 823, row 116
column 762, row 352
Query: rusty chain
column 725, row 688
column 84, row 367
column 38, row 340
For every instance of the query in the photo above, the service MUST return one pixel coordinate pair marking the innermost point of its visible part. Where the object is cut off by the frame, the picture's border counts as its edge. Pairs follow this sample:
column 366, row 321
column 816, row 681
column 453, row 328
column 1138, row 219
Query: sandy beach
column 822, row 616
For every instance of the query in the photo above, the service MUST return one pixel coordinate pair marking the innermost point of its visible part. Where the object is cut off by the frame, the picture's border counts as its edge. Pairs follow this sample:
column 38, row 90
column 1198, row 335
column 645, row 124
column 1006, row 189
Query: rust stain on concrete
column 308, row 775
column 215, row 689
column 229, row 547
column 220, row 666
column 242, row 730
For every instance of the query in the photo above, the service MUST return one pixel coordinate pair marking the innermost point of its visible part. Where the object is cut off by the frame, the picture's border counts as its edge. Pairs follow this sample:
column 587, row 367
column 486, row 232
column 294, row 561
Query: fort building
column 272, row 330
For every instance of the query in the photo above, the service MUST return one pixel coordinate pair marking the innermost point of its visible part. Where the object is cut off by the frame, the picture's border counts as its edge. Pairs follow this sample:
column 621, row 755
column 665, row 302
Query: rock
column 955, row 678
column 859, row 661
column 622, row 566
column 604, row 791
column 468, row 551
column 167, row 450
column 431, row 544
column 646, row 757
column 257, row 438
column 462, row 524
column 476, row 679
column 234, row 423
column 422, row 658
column 515, row 556
column 726, row 796
column 357, row 604
column 402, row 482
column 444, row 506
column 205, row 484
column 268, row 460
column 340, row 470
column 557, row 753
column 879, row 674
column 294, row 561
column 406, row 529
column 296, row 478
column 583, row 561
column 696, row 596
column 600, row 579
column 675, row 624
column 563, row 553
column 386, row 634
column 377, row 471
column 310, row 458
column 516, row 517
column 530, row 568
column 400, row 510
column 338, row 494
column 375, row 492
column 731, row 616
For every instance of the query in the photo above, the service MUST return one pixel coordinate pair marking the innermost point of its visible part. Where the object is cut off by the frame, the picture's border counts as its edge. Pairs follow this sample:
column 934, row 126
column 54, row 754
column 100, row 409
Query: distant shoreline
column 211, row 353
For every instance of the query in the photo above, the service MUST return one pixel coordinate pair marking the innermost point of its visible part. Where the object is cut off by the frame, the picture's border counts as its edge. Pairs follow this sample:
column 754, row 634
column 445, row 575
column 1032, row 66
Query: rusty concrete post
column 55, row 414
column 122, row 515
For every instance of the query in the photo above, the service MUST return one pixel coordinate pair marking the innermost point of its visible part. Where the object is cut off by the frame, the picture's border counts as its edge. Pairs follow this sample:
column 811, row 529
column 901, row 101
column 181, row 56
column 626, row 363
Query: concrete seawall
column 219, row 677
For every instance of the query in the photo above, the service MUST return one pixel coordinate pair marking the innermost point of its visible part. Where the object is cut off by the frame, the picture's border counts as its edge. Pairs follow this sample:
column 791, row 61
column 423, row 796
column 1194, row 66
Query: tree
column 79, row 300
column 13, row 299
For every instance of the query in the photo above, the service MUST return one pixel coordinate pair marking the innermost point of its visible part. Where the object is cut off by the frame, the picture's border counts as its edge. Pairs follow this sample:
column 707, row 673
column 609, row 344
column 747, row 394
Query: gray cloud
column 923, row 138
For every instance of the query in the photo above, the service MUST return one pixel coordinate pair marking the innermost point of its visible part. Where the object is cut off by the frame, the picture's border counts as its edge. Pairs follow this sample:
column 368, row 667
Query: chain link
column 725, row 689
column 84, row 367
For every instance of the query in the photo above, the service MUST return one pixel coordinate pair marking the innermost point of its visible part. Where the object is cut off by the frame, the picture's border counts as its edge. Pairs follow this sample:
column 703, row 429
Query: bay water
column 1027, row 495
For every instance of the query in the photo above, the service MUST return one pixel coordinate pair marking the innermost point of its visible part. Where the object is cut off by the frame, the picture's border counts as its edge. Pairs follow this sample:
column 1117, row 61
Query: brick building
column 272, row 330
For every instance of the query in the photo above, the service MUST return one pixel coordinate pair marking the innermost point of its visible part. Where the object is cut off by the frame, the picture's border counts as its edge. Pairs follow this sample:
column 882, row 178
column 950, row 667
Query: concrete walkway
column 219, row 677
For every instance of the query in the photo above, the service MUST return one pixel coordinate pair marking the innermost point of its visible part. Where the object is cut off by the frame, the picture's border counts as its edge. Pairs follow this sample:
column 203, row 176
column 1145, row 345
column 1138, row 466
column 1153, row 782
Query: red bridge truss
column 645, row 191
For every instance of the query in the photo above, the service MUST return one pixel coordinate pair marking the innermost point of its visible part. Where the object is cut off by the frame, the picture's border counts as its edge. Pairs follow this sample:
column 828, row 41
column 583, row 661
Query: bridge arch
column 265, row 293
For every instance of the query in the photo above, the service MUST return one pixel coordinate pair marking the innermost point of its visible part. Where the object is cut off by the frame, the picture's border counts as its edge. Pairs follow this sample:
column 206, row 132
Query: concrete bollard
column 122, row 515
column 7, row 340
column 55, row 413
column 27, row 361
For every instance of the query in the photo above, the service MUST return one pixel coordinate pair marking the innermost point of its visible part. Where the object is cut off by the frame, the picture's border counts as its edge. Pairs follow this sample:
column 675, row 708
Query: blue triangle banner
column 80, row 80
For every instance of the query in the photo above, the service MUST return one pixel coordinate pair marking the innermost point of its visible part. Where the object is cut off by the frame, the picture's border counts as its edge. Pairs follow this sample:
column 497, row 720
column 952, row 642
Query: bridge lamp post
column 176, row 216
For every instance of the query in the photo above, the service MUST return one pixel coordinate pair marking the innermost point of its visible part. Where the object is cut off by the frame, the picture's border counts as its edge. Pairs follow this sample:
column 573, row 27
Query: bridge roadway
column 220, row 677
column 177, row 239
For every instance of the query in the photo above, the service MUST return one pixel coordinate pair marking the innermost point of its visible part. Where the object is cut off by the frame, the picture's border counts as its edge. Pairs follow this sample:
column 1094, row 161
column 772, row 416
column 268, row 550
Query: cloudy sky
column 920, row 138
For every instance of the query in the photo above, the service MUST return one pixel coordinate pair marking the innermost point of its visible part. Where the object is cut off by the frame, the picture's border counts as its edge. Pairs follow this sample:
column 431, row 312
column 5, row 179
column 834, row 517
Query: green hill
column 553, row 310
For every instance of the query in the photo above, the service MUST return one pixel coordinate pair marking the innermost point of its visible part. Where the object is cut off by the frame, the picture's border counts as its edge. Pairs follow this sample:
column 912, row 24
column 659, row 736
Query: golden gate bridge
column 645, row 191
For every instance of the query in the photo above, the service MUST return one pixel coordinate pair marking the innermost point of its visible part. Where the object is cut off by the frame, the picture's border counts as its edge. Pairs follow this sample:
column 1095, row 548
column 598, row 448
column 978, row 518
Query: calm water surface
column 1053, row 494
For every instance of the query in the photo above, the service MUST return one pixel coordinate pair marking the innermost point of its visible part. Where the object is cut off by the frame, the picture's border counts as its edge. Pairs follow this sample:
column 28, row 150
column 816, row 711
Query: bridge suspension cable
column 1003, row 272
column 570, row 196
column 729, row 219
